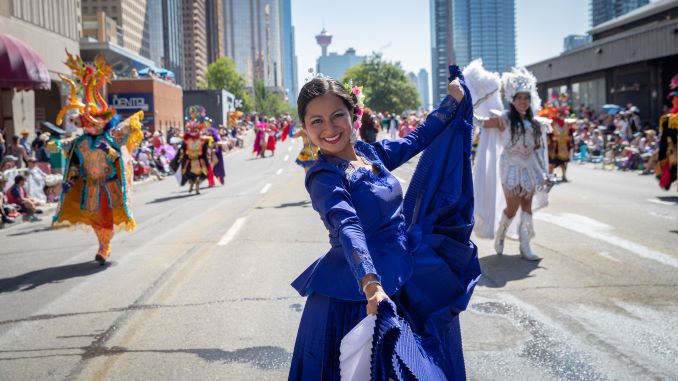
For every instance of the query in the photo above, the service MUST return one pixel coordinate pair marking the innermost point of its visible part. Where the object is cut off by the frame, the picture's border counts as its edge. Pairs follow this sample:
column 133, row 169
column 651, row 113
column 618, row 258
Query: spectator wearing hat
column 23, row 141
column 17, row 195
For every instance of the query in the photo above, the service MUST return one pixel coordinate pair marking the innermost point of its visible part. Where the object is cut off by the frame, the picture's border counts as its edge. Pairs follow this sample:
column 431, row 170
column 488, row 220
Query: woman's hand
column 455, row 90
column 374, row 294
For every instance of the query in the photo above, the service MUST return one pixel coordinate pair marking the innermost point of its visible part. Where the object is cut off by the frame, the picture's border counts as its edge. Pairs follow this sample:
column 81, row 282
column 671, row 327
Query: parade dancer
column 271, row 131
column 259, row 148
column 193, row 154
column 561, row 135
column 667, row 164
column 98, row 177
column 378, row 241
column 517, row 154
column 217, row 162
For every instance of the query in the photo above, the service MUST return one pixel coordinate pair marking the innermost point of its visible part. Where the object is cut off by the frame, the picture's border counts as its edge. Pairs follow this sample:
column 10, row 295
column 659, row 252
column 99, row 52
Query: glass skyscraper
column 463, row 30
column 289, row 56
column 173, row 39
column 606, row 10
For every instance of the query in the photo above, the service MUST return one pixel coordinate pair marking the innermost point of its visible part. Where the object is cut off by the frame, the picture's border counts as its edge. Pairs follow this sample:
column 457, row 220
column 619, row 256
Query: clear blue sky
column 400, row 29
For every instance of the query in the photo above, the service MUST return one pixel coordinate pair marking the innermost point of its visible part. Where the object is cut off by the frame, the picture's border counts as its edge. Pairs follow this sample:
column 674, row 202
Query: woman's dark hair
column 518, row 128
column 320, row 86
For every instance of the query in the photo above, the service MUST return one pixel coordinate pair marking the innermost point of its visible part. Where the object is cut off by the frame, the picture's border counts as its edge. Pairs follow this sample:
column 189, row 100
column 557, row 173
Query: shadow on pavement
column 265, row 357
column 37, row 278
column 303, row 204
column 673, row 199
column 498, row 270
column 170, row 198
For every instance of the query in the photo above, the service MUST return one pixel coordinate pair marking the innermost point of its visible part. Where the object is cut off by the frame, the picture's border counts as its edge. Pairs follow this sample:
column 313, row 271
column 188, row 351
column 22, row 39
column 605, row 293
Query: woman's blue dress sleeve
column 332, row 201
column 394, row 153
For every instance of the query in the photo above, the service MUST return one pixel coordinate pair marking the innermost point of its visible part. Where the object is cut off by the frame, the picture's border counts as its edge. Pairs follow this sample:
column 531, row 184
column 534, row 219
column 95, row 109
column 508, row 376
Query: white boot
column 500, row 235
column 525, row 234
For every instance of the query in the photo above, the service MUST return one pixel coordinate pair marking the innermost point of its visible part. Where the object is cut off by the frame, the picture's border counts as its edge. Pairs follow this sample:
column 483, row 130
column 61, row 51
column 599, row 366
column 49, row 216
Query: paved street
column 200, row 291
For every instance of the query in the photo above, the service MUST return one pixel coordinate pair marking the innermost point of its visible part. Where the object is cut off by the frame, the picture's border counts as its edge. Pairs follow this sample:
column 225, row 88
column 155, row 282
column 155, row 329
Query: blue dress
column 362, row 210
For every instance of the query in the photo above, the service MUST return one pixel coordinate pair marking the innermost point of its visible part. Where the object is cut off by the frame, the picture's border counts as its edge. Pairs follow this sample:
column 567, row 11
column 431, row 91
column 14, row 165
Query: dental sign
column 131, row 102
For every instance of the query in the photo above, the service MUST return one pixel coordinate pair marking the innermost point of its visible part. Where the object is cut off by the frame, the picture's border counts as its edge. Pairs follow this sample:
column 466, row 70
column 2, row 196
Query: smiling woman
column 360, row 203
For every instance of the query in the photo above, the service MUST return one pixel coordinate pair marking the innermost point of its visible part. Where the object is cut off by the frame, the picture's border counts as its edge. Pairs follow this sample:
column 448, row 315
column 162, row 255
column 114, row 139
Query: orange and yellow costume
column 98, row 176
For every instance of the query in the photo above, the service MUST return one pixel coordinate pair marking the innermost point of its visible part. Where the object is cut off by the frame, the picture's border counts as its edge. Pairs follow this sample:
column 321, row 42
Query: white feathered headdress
column 484, row 87
column 520, row 80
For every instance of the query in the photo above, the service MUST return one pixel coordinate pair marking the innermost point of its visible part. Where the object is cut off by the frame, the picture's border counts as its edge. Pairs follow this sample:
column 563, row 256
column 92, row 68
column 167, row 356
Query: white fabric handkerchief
column 356, row 351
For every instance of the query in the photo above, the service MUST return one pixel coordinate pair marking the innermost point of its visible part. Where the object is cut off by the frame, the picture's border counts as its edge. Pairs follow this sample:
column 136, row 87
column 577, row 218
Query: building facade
column 605, row 10
column 335, row 65
column 49, row 28
column 195, row 42
column 161, row 102
column 605, row 72
column 173, row 39
column 463, row 30
column 574, row 41
column 132, row 18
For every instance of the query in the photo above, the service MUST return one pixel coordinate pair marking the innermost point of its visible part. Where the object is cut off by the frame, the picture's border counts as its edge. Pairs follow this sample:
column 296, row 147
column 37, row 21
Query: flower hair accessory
column 357, row 92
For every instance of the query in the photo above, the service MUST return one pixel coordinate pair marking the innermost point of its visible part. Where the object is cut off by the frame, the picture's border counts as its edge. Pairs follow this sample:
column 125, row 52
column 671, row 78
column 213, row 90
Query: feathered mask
column 520, row 80
column 197, row 119
column 557, row 109
column 93, row 114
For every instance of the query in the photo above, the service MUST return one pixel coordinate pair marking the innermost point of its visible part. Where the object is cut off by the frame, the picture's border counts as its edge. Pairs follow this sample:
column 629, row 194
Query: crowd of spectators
column 617, row 140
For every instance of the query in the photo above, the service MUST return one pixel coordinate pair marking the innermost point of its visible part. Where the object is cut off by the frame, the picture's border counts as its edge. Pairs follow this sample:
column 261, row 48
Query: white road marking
column 661, row 215
column 660, row 202
column 279, row 171
column 287, row 157
column 232, row 231
column 401, row 180
column 607, row 255
column 265, row 188
column 597, row 230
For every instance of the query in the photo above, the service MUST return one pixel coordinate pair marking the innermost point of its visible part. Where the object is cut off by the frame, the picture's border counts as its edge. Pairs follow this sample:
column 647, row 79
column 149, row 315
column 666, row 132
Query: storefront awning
column 21, row 67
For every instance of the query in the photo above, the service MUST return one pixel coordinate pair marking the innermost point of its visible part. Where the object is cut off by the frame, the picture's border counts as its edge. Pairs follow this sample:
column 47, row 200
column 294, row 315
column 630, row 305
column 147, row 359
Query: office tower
column 195, row 43
column 254, row 39
column 173, row 39
column 463, row 30
column 289, row 53
column 131, row 17
column 215, row 30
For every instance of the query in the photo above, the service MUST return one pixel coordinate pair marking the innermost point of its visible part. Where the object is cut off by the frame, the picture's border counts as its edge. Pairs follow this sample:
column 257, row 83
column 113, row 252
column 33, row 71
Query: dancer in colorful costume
column 217, row 157
column 413, row 252
column 561, row 135
column 511, row 156
column 194, row 151
column 259, row 148
column 98, row 177
column 667, row 164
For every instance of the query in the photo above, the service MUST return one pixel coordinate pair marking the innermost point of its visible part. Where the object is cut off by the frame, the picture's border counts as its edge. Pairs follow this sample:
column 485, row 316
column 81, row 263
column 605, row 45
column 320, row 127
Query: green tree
column 221, row 74
column 267, row 102
column 386, row 87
